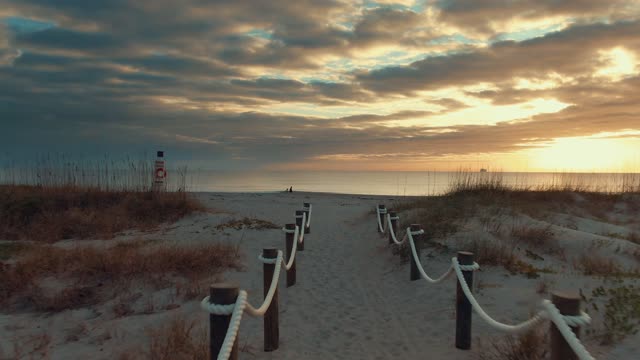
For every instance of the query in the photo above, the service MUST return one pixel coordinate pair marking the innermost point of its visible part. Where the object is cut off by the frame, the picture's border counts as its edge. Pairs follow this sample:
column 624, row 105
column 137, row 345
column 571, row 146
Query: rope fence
column 563, row 310
column 226, row 304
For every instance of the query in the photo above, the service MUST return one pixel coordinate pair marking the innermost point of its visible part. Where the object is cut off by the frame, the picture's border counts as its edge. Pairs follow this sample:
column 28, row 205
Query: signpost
column 159, row 173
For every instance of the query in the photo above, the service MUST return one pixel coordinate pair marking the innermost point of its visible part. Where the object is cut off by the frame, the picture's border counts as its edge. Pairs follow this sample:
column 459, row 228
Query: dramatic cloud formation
column 321, row 84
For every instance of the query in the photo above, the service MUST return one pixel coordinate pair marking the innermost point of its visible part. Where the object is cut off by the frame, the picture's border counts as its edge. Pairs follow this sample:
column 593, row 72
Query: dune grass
column 466, row 180
column 507, row 213
column 57, row 170
column 56, row 213
column 179, row 339
column 58, row 197
column 89, row 274
column 531, row 345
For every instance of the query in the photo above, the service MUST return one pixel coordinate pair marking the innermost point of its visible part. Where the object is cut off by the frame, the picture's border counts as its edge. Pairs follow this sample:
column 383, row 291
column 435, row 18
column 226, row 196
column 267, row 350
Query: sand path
column 353, row 299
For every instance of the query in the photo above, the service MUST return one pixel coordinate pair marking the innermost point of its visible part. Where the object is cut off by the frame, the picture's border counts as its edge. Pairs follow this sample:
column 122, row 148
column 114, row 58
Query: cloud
column 8, row 54
column 218, row 81
column 57, row 38
column 569, row 52
column 493, row 16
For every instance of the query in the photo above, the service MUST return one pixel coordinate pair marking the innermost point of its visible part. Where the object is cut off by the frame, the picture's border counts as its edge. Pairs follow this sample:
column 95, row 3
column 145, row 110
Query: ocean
column 394, row 182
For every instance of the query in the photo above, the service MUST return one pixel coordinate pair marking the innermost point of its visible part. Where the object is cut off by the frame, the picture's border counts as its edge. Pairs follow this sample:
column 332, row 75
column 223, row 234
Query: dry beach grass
column 94, row 274
column 515, row 220
column 55, row 213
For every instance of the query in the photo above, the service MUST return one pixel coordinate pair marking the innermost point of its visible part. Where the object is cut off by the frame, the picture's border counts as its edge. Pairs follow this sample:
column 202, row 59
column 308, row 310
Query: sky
column 516, row 85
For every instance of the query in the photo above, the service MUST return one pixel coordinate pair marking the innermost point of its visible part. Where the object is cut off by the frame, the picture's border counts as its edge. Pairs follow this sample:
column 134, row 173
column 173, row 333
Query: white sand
column 353, row 298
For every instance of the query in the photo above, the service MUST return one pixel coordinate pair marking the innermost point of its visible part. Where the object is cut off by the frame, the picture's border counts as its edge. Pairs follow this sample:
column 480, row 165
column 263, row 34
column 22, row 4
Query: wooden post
column 299, row 214
column 306, row 208
column 394, row 226
column 463, row 306
column 271, row 328
column 291, row 273
column 417, row 240
column 568, row 304
column 222, row 294
column 380, row 207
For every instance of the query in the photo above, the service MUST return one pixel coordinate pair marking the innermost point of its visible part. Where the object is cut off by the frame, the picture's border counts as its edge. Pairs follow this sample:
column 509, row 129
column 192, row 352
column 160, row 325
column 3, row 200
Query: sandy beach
column 353, row 298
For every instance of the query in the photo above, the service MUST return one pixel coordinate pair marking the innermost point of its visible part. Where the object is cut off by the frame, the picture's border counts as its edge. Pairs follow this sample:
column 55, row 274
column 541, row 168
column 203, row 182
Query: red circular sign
column 160, row 173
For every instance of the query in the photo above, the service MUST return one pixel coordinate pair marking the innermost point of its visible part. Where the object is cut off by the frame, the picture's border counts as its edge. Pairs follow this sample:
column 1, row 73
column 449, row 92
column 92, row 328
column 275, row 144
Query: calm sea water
column 391, row 183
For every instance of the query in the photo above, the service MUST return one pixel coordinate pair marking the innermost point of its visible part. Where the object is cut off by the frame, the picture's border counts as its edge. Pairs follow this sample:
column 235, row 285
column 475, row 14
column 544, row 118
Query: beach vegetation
column 90, row 274
column 506, row 222
column 247, row 223
column 531, row 345
column 57, row 197
column 52, row 214
column 179, row 339
column 593, row 264
column 620, row 311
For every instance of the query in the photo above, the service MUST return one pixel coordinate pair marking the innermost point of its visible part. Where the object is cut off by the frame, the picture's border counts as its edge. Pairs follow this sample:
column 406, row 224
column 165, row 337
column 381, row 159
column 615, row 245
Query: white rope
column 417, row 259
column 234, row 326
column 561, row 324
column 310, row 210
column 272, row 290
column 294, row 250
column 235, row 310
column 241, row 305
column 380, row 212
column 288, row 231
column 577, row 320
column 392, row 232
column 303, row 224
column 216, row 309
column 513, row 329
column 229, row 309
column 473, row 267
column 267, row 260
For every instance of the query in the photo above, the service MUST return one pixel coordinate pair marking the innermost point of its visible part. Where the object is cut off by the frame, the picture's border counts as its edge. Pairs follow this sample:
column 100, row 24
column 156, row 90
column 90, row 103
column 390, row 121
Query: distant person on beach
column 291, row 189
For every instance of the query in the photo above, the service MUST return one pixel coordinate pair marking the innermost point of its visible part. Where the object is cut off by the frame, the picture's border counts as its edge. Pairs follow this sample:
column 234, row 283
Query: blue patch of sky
column 526, row 34
column 259, row 33
column 455, row 38
column 418, row 5
column 24, row 25
column 349, row 25
column 275, row 76
column 342, row 64
column 392, row 58
column 397, row 58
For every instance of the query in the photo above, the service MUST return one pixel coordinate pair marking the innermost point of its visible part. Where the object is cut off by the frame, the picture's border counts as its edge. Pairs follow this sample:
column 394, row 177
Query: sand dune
column 353, row 298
